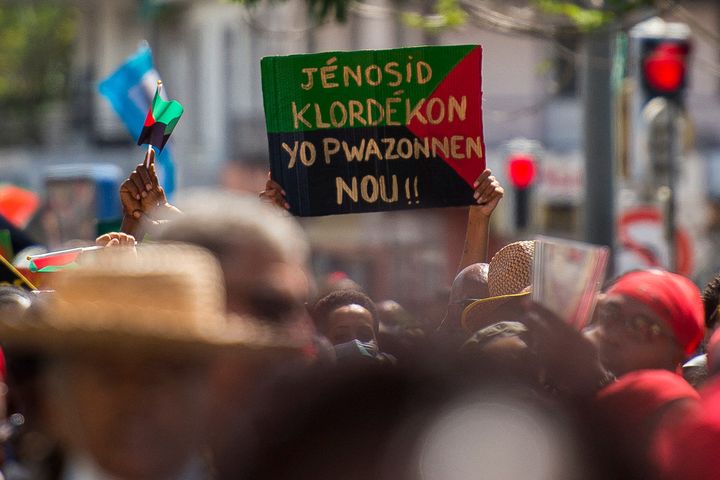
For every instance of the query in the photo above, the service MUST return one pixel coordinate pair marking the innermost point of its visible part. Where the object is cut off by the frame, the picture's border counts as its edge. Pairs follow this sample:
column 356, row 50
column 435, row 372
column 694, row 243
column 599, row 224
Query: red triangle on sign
column 464, row 80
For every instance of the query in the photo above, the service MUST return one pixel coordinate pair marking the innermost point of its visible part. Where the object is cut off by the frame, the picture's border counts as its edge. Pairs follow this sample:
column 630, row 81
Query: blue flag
column 130, row 89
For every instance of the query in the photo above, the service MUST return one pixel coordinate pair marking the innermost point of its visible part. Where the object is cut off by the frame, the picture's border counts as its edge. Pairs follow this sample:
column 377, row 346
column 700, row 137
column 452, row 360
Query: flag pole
column 147, row 156
column 56, row 253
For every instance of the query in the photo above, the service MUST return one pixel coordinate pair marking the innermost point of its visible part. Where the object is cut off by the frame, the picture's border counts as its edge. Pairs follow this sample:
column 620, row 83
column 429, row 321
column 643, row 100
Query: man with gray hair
column 262, row 251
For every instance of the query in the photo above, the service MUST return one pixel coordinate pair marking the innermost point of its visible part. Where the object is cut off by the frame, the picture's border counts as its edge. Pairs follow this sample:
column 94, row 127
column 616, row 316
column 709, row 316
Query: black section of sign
column 315, row 188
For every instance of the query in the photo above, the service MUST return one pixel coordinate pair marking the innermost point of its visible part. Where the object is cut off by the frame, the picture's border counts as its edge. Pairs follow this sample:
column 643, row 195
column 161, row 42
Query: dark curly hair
column 340, row 298
column 711, row 299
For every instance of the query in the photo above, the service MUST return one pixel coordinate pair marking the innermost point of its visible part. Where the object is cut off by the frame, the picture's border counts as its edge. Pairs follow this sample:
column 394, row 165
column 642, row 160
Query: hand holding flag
column 141, row 193
column 143, row 199
column 161, row 119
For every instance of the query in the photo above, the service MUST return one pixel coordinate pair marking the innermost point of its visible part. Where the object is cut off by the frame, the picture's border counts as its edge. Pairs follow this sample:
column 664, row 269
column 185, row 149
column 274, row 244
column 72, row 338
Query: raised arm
column 143, row 199
column 488, row 193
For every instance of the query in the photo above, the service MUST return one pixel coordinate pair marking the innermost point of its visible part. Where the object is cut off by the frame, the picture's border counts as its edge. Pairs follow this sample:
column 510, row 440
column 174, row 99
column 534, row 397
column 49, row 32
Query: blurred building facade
column 208, row 53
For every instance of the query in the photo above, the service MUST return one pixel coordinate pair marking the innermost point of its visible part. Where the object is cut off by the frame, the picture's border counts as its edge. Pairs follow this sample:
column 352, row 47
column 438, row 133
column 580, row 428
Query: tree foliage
column 35, row 45
column 585, row 15
column 36, row 39
column 447, row 13
column 588, row 18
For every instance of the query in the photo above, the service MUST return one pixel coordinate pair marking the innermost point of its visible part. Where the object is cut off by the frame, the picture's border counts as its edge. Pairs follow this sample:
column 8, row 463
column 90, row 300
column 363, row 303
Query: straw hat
column 509, row 277
column 166, row 298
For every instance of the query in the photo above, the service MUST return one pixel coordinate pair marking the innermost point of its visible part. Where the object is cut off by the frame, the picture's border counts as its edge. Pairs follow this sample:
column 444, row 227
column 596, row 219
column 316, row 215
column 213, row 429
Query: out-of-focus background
column 573, row 100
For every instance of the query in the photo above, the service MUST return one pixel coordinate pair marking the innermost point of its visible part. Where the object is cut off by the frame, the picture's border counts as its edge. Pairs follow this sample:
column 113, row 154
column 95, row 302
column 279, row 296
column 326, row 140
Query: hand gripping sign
column 368, row 131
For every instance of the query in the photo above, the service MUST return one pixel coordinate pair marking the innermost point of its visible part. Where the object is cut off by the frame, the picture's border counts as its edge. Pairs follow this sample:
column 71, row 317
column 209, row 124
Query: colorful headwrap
column 639, row 395
column 674, row 298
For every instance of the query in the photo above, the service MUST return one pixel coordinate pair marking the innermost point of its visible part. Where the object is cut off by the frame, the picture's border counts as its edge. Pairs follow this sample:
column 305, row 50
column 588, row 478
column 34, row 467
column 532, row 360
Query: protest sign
column 367, row 131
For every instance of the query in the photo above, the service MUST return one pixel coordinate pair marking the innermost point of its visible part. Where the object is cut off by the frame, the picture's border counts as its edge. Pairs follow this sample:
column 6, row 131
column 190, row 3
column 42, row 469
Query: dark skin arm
column 143, row 199
column 570, row 362
column 488, row 193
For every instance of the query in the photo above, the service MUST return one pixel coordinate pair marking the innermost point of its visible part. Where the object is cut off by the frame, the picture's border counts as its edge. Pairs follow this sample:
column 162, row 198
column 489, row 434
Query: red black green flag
column 160, row 121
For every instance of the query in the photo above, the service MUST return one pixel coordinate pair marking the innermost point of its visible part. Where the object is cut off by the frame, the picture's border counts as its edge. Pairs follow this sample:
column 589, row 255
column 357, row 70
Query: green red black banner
column 366, row 131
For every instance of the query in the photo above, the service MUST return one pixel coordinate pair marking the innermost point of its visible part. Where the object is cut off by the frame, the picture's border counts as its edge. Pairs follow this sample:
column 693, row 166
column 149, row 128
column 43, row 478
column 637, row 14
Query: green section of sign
column 352, row 89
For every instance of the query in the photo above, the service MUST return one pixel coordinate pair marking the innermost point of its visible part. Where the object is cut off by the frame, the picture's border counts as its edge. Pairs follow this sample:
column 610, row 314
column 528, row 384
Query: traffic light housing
column 664, row 67
column 521, row 171
column 659, row 57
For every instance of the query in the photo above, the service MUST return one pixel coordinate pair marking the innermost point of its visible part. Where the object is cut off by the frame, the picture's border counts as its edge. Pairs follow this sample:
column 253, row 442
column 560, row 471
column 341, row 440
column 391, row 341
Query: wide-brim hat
column 509, row 279
column 167, row 299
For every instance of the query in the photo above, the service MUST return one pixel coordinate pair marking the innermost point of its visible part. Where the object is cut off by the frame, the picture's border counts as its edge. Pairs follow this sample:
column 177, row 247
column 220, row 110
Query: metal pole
column 661, row 116
column 666, row 193
column 522, row 209
column 599, row 151
column 666, row 198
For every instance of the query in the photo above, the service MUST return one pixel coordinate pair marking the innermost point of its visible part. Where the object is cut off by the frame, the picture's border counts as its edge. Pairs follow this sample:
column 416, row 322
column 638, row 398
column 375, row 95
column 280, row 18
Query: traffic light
column 659, row 54
column 521, row 171
column 664, row 67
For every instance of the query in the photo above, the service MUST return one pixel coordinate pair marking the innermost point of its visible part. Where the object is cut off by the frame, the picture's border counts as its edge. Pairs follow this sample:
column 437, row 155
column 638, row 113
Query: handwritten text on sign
column 375, row 130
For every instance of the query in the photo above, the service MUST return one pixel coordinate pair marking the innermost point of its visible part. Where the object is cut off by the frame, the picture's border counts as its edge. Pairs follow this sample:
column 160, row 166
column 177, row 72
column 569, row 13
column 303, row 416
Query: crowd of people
column 208, row 351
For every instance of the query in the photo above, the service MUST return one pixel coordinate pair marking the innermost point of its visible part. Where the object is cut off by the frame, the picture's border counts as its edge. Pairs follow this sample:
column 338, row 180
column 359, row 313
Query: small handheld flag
column 130, row 90
column 60, row 260
column 162, row 117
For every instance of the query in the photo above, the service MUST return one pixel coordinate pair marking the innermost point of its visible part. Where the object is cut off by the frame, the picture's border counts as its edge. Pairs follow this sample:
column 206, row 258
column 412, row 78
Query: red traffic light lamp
column 664, row 67
column 521, row 170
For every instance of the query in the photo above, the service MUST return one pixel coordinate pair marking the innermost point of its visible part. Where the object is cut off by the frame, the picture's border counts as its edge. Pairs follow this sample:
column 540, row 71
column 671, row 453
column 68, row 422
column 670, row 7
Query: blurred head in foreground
column 130, row 339
column 647, row 319
column 688, row 450
column 630, row 411
column 262, row 252
column 400, row 424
